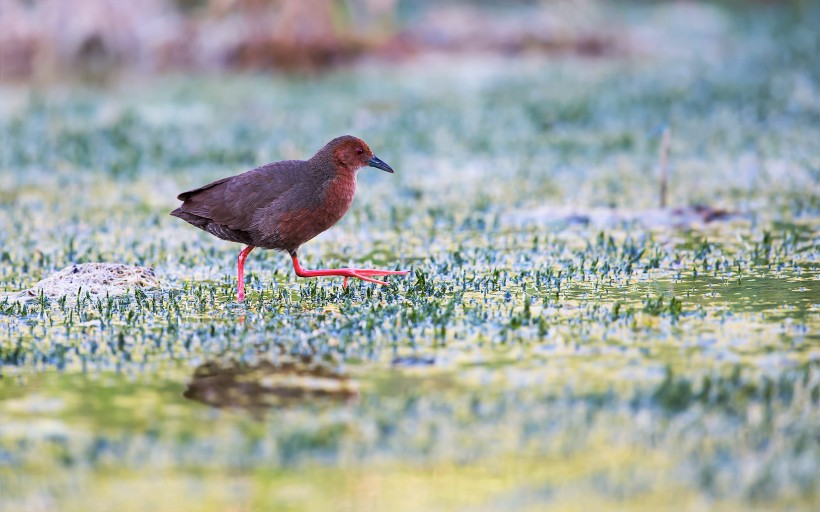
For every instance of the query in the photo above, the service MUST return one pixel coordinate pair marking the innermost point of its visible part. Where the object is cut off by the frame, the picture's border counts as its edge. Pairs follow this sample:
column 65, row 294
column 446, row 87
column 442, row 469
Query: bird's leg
column 359, row 273
column 240, row 290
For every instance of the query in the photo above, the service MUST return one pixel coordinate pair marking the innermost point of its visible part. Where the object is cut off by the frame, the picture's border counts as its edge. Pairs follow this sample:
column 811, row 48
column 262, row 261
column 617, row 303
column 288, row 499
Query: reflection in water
column 266, row 384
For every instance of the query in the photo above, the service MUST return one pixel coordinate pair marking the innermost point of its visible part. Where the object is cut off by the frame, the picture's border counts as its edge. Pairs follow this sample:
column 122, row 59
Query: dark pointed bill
column 378, row 164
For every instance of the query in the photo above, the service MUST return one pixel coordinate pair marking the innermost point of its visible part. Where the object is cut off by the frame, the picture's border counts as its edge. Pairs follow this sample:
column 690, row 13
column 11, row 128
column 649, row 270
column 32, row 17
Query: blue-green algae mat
column 560, row 344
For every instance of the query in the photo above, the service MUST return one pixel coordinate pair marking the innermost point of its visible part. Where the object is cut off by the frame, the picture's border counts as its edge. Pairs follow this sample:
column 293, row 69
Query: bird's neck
column 337, row 185
column 340, row 191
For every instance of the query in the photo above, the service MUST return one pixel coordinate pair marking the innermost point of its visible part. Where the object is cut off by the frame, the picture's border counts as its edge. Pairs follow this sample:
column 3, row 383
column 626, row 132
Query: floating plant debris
column 267, row 384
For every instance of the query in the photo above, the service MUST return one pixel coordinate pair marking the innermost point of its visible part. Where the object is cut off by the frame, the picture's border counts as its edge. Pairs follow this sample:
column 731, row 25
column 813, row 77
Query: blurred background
column 572, row 96
column 55, row 40
column 47, row 40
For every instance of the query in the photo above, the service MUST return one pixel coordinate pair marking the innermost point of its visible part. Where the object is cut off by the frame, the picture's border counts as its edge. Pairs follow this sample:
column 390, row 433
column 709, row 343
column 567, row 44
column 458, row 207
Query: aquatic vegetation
column 525, row 362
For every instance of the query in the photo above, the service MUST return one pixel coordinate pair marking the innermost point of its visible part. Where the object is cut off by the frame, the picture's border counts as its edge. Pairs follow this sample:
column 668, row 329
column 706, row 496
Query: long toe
column 377, row 272
column 369, row 280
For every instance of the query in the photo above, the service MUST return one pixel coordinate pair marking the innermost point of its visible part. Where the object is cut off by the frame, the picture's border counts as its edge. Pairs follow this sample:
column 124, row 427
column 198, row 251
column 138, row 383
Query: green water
column 644, row 361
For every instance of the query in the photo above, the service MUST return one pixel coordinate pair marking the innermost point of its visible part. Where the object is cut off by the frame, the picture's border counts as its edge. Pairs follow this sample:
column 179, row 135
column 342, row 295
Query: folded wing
column 226, row 207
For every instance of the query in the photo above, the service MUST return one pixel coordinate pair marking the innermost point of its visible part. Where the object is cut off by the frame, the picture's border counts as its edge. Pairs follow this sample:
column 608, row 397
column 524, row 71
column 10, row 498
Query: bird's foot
column 359, row 273
column 365, row 273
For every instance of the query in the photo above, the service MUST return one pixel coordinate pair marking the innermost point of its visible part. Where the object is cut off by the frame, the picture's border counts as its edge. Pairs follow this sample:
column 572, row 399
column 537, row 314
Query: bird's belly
column 297, row 227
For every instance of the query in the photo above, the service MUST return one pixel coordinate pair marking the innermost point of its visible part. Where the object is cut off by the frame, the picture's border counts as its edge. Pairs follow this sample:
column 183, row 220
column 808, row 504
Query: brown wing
column 186, row 195
column 226, row 207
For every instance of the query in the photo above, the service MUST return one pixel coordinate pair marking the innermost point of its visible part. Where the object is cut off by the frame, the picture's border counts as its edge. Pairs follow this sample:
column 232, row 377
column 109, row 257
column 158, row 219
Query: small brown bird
column 284, row 204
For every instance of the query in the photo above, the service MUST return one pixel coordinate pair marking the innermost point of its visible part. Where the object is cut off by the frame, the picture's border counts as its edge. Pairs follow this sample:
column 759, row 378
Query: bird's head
column 352, row 153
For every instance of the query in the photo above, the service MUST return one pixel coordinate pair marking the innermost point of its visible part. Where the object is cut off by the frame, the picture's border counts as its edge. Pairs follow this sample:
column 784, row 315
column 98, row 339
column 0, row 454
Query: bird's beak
column 378, row 164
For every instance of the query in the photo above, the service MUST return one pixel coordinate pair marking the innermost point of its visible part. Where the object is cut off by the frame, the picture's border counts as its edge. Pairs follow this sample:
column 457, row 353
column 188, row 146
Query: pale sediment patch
column 97, row 279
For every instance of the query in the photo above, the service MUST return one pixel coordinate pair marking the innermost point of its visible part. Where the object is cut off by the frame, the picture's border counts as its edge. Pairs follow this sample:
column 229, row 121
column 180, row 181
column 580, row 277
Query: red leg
column 358, row 273
column 240, row 289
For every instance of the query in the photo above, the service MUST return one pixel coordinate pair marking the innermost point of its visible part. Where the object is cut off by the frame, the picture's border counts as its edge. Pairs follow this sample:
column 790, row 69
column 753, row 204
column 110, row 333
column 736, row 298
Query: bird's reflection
column 268, row 384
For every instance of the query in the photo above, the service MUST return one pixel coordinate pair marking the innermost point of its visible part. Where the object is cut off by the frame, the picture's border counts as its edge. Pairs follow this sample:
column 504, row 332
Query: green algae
column 561, row 362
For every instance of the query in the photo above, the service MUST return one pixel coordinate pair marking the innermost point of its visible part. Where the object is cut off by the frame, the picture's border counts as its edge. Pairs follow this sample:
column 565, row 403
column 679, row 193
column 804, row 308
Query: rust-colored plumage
column 284, row 204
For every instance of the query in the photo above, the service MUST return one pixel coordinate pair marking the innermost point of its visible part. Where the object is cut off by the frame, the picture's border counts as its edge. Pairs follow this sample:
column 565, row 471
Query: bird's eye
column 359, row 151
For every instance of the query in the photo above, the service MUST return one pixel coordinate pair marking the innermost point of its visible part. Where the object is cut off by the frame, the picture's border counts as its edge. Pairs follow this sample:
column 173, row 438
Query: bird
column 282, row 205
